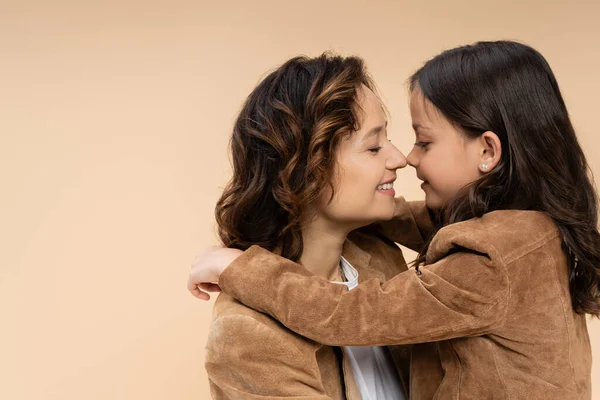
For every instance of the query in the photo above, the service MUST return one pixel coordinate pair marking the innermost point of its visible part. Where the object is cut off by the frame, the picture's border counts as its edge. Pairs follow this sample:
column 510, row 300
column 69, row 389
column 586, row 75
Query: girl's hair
column 282, row 148
column 508, row 88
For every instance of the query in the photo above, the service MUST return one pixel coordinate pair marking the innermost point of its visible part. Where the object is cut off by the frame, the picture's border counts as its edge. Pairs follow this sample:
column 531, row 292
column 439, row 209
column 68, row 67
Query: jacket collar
column 355, row 255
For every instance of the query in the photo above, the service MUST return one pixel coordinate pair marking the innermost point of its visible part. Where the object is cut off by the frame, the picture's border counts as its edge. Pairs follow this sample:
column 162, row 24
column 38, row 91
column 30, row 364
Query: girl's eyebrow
column 417, row 127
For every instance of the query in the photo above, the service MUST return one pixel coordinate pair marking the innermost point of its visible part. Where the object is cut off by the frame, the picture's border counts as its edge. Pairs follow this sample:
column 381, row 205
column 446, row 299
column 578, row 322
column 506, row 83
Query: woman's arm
column 246, row 359
column 461, row 294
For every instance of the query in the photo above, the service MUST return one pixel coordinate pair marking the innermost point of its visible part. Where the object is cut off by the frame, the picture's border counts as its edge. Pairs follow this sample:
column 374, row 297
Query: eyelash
column 422, row 145
column 375, row 150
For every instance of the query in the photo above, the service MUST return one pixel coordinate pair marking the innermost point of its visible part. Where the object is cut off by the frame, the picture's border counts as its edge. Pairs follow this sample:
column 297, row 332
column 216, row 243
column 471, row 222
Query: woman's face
column 366, row 164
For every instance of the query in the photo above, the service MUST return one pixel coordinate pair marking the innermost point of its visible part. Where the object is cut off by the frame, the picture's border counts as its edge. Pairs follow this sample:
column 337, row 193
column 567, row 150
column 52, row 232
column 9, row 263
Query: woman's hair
column 508, row 88
column 283, row 147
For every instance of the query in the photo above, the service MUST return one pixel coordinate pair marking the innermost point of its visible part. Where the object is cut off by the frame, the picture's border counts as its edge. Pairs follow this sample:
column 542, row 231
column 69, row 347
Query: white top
column 372, row 366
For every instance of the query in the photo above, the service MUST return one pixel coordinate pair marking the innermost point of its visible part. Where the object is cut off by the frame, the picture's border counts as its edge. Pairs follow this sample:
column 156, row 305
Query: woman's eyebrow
column 375, row 131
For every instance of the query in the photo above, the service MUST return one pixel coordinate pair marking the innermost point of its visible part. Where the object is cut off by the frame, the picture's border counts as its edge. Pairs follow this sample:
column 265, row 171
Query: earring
column 484, row 167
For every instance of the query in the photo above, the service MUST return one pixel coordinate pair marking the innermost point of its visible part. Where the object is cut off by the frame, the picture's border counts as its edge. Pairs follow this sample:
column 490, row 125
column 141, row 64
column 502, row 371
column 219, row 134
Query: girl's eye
column 422, row 145
column 375, row 149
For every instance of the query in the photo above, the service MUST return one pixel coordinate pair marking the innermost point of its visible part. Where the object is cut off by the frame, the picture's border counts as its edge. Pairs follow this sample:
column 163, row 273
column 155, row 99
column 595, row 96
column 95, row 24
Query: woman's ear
column 491, row 151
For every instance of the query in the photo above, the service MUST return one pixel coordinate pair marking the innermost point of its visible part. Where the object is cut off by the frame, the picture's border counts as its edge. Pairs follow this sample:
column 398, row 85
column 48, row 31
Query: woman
column 311, row 163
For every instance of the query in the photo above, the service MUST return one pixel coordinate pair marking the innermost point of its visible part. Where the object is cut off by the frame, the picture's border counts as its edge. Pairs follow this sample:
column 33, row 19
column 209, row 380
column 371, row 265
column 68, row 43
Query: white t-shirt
column 372, row 366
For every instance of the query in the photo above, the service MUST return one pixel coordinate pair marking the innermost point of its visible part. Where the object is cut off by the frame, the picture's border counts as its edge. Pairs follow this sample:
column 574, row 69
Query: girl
column 497, row 306
column 311, row 164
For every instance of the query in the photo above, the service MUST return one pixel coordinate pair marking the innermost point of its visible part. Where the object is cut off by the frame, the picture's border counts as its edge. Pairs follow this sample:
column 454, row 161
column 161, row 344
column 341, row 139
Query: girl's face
column 446, row 159
column 366, row 164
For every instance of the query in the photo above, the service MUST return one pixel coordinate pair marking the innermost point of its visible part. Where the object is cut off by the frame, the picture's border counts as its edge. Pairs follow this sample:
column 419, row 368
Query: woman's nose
column 396, row 159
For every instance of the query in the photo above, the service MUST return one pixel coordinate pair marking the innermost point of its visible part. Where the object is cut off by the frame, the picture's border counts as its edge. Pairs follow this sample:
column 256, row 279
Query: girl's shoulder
column 507, row 222
column 499, row 234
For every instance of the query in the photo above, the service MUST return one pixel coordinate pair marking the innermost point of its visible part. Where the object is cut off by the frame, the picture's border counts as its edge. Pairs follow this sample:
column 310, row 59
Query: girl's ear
column 491, row 151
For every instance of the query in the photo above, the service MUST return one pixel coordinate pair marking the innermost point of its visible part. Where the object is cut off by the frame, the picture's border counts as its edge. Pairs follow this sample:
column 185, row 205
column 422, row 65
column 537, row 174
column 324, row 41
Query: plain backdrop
column 114, row 123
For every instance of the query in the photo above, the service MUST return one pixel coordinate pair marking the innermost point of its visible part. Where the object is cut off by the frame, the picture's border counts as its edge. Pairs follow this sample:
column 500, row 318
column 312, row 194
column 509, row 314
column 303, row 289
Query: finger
column 209, row 287
column 196, row 292
column 191, row 285
column 200, row 294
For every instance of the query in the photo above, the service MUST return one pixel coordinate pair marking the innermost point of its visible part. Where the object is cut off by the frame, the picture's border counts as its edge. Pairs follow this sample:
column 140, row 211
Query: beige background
column 114, row 121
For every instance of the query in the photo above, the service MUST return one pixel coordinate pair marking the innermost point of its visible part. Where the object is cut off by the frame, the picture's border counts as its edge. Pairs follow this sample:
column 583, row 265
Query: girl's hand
column 206, row 269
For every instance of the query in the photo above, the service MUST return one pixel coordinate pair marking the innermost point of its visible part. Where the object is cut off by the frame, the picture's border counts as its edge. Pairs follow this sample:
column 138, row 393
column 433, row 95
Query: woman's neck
column 322, row 248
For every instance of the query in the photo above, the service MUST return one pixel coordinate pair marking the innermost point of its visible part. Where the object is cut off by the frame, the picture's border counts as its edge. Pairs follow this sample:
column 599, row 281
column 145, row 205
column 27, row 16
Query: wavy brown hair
column 508, row 88
column 282, row 147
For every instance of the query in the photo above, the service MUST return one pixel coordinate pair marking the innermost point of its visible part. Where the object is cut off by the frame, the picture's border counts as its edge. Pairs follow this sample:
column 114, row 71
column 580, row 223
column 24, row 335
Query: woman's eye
column 422, row 145
column 375, row 149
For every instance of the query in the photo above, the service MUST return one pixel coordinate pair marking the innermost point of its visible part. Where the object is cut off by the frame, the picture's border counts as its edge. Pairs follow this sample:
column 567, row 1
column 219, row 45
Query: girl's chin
column 432, row 203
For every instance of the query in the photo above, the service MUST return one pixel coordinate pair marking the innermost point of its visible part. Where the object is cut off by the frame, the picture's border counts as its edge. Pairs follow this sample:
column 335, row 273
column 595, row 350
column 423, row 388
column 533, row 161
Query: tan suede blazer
column 250, row 355
column 490, row 314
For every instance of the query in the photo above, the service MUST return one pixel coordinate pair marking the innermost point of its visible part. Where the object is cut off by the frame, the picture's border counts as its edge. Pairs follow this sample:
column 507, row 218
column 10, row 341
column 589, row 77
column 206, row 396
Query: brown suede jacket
column 489, row 314
column 250, row 355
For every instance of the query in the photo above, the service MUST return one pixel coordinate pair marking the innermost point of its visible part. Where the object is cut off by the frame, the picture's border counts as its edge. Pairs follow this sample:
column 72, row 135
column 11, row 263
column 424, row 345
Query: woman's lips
column 387, row 192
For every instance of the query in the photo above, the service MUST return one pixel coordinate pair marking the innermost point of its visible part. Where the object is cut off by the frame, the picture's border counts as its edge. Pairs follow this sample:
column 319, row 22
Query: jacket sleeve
column 464, row 293
column 247, row 360
column 412, row 226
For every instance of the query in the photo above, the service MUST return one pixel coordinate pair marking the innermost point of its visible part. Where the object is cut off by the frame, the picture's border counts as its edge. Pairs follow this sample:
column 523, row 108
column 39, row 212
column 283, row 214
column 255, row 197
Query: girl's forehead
column 424, row 113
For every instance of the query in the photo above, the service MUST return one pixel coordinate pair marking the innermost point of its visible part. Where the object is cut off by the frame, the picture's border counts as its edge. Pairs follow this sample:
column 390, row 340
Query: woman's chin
column 388, row 215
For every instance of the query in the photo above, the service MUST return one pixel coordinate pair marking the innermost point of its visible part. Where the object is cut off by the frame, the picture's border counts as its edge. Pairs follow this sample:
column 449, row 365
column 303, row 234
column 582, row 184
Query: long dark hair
column 282, row 145
column 508, row 88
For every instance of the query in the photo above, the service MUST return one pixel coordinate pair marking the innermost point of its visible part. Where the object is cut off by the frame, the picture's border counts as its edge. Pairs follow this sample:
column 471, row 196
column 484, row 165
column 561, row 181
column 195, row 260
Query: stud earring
column 484, row 167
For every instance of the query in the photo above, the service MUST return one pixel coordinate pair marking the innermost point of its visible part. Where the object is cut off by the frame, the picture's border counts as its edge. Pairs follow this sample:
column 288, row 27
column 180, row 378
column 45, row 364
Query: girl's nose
column 413, row 159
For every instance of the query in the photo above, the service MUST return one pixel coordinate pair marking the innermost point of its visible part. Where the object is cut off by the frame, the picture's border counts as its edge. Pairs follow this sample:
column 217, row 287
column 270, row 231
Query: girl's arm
column 411, row 226
column 463, row 292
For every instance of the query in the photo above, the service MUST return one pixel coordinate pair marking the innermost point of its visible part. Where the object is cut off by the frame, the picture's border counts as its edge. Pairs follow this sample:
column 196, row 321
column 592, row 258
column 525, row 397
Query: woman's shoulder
column 248, row 354
column 236, row 321
column 229, row 310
